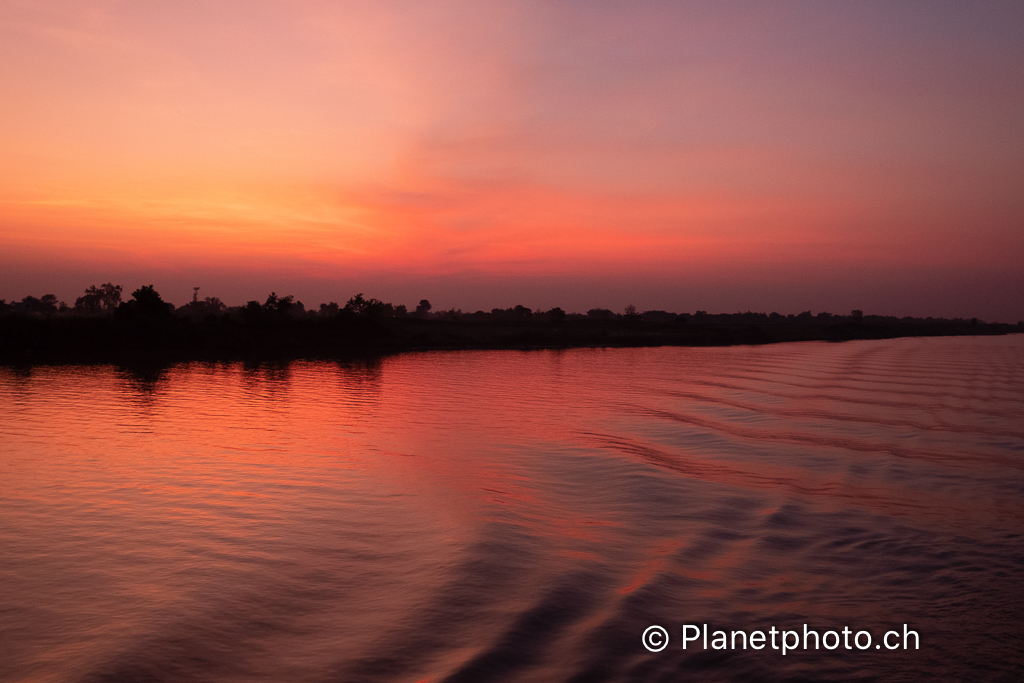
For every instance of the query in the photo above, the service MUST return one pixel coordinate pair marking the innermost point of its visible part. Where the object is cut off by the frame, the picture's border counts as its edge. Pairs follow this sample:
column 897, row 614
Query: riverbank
column 56, row 339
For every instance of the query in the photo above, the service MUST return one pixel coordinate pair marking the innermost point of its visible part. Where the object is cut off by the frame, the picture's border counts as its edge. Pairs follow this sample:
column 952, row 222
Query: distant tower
column 195, row 295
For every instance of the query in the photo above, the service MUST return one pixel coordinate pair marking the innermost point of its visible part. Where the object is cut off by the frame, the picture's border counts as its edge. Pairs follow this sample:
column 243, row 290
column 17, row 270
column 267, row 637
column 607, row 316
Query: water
column 517, row 516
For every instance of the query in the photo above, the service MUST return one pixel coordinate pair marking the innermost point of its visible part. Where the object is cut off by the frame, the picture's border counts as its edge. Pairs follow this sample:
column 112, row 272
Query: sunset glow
column 674, row 156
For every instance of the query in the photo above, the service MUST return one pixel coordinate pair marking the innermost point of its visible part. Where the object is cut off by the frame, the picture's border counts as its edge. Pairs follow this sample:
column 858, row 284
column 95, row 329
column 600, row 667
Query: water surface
column 516, row 516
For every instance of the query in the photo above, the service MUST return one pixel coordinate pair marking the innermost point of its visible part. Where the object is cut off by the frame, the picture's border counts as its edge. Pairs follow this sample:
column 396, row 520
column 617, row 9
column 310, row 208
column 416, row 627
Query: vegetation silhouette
column 102, row 328
column 145, row 303
column 365, row 310
column 209, row 306
column 105, row 298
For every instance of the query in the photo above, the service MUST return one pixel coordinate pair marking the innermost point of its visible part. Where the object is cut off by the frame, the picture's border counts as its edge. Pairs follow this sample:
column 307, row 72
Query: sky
column 721, row 156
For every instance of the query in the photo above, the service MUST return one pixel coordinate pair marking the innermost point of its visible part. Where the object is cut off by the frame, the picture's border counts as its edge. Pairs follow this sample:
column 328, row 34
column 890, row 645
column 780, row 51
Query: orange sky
column 721, row 156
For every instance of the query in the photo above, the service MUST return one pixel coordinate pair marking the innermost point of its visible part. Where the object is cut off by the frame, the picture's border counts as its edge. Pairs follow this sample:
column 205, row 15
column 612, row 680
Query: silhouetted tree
column 364, row 308
column 857, row 315
column 105, row 298
column 211, row 305
column 423, row 309
column 522, row 312
column 46, row 305
column 145, row 302
column 89, row 302
column 110, row 296
column 631, row 315
column 600, row 314
column 330, row 309
column 278, row 305
column 29, row 304
column 214, row 305
column 252, row 312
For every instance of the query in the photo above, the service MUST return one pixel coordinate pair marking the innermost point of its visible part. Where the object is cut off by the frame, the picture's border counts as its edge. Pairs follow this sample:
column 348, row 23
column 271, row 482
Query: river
column 479, row 516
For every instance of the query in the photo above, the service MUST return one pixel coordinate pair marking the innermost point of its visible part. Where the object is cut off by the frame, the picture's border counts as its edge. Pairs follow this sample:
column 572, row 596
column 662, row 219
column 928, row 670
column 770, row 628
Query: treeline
column 102, row 326
column 106, row 299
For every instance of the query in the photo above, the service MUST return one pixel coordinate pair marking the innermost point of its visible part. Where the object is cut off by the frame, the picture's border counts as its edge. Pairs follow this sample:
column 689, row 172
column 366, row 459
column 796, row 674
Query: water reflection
column 143, row 382
column 514, row 516
column 362, row 380
column 268, row 380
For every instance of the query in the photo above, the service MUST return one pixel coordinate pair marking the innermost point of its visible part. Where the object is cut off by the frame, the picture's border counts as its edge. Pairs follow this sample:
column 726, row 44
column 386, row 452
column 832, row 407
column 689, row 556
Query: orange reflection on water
column 459, row 516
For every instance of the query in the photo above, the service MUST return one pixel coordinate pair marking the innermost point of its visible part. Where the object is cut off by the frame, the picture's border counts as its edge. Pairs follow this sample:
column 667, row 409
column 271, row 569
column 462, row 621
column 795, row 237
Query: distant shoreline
column 111, row 339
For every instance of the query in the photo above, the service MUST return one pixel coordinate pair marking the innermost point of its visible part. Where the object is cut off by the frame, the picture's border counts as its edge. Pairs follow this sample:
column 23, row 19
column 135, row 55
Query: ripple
column 515, row 516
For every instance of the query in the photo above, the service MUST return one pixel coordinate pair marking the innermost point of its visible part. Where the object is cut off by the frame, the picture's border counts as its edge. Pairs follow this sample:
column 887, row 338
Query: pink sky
column 719, row 156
